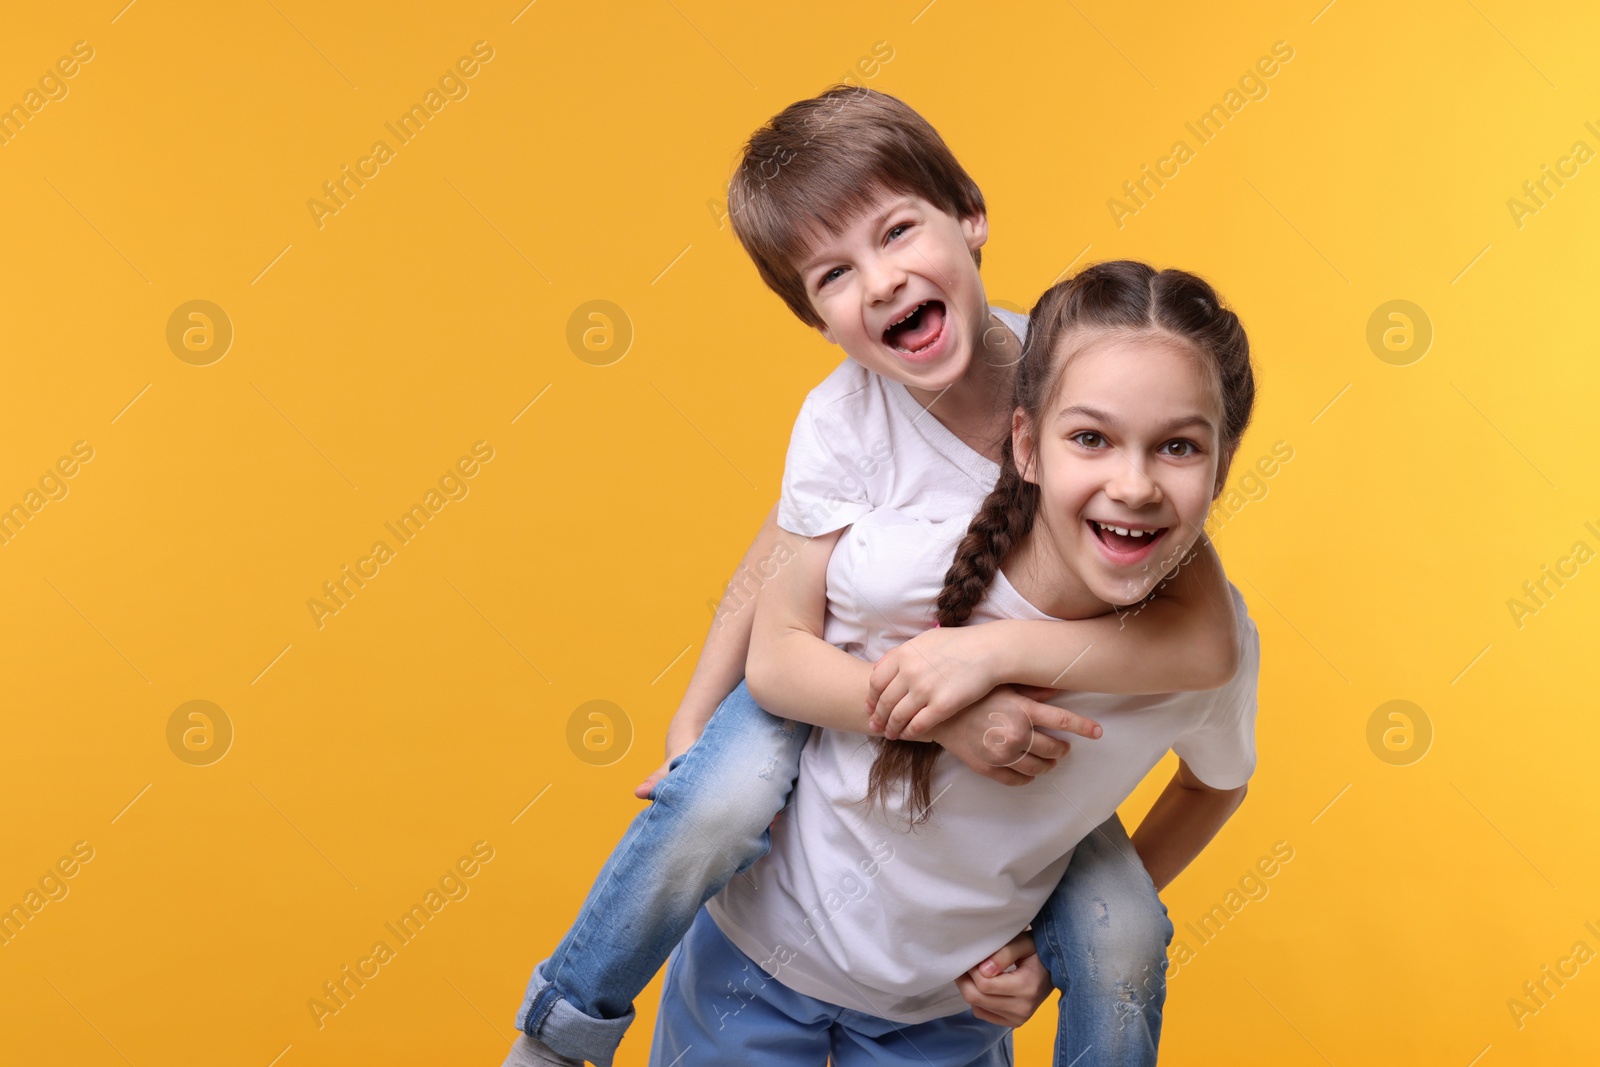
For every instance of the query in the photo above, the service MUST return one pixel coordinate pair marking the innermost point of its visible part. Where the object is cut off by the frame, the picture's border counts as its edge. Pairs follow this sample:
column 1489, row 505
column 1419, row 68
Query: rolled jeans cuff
column 548, row 1016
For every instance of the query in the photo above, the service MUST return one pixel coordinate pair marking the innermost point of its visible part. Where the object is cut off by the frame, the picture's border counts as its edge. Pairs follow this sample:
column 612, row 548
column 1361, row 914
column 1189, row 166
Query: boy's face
column 898, row 290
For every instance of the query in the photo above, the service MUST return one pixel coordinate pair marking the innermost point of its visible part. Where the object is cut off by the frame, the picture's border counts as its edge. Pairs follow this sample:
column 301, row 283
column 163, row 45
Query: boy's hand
column 646, row 787
column 682, row 732
column 922, row 682
column 999, row 736
column 1007, row 997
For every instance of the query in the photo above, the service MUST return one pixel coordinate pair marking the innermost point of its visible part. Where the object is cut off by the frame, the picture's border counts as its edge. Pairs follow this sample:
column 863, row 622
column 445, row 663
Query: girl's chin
column 1123, row 599
column 1125, row 592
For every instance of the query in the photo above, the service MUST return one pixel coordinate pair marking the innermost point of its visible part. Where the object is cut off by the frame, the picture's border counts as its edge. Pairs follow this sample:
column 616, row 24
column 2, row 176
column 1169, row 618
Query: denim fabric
column 1103, row 935
column 708, row 821
column 719, row 1009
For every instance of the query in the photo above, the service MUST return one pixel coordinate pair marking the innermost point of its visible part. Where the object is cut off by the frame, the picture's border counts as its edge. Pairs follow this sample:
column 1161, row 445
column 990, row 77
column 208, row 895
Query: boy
column 858, row 216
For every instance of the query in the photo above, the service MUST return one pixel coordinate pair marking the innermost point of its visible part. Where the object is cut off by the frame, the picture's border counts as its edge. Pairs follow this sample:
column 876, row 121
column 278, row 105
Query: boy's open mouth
column 1125, row 539
column 919, row 329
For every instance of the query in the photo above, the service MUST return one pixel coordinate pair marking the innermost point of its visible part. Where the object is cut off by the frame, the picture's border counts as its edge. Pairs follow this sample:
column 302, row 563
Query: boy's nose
column 883, row 279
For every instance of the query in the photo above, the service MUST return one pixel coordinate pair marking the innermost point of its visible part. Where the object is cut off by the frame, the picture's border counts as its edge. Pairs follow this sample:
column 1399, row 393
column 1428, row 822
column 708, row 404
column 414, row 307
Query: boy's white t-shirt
column 862, row 441
column 850, row 907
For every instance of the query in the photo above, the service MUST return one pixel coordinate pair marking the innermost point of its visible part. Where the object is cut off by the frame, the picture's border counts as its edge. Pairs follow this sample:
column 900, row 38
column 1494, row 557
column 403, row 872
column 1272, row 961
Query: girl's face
column 1127, row 457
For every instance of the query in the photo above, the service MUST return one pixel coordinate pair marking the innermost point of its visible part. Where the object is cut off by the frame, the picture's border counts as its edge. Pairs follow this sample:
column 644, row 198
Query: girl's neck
column 977, row 407
column 1037, row 571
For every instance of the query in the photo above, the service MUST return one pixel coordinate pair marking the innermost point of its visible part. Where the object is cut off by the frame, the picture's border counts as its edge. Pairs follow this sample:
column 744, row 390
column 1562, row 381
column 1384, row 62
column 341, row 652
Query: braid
column 1121, row 297
column 1000, row 524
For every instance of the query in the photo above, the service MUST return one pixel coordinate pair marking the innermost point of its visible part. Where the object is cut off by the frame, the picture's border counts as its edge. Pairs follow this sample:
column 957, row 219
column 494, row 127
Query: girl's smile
column 1126, row 544
column 1126, row 468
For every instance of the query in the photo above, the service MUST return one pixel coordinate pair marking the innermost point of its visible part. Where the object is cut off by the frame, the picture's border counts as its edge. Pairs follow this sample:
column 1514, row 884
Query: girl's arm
column 1181, row 823
column 1008, row 997
column 796, row 674
column 1183, row 638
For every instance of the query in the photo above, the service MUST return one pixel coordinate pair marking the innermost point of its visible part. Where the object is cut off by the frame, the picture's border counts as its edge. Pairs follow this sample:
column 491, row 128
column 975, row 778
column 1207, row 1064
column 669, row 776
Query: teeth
column 1124, row 531
column 906, row 316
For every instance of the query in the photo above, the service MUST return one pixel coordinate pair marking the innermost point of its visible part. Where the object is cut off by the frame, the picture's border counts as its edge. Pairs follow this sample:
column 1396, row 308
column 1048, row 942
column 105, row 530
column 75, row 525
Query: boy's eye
column 832, row 275
column 1088, row 439
column 1180, row 448
column 896, row 231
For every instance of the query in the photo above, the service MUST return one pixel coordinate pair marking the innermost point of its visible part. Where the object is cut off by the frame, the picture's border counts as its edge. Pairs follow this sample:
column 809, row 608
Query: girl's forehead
column 1141, row 377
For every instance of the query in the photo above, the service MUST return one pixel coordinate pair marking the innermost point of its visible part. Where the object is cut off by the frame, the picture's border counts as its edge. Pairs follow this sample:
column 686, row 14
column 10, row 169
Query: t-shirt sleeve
column 824, row 484
column 1221, row 750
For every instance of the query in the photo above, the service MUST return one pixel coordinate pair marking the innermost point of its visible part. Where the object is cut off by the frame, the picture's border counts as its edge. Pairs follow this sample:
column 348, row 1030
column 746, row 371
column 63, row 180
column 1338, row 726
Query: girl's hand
column 1008, row 987
column 921, row 683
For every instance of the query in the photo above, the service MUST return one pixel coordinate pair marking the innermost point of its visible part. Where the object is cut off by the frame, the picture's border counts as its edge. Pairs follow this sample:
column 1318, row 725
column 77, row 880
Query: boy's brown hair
column 821, row 163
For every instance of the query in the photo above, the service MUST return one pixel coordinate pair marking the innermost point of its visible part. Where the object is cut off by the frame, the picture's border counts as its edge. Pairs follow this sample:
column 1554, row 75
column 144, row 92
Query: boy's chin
column 940, row 373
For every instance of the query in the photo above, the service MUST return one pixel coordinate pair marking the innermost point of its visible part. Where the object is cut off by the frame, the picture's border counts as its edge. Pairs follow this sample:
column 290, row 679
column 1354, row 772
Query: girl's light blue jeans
column 720, row 1009
column 1103, row 934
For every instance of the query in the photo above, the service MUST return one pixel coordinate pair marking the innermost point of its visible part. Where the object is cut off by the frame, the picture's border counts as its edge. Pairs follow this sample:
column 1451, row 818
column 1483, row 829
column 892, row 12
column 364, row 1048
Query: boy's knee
column 713, row 836
column 1122, row 946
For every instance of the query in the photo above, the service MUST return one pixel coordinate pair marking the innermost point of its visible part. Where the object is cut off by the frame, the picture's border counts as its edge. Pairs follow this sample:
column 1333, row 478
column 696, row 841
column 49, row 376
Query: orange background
column 586, row 162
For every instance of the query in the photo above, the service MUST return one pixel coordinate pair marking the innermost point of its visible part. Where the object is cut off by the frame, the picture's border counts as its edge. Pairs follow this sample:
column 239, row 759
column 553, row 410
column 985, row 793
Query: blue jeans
column 720, row 1009
column 1103, row 933
column 1103, row 936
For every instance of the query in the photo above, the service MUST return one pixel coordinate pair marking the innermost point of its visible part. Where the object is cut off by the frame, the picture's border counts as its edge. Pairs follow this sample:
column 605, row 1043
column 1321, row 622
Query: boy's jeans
column 1103, row 933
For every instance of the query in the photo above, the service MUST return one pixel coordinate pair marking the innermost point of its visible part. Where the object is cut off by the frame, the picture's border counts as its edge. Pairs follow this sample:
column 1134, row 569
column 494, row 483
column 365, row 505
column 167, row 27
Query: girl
column 1131, row 398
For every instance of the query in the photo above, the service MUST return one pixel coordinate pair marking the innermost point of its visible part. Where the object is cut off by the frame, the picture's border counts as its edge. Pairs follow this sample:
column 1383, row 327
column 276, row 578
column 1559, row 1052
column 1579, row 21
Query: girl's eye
column 1184, row 448
column 1088, row 439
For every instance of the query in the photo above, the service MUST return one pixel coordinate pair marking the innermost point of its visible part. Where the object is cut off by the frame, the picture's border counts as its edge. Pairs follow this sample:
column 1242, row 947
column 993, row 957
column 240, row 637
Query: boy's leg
column 719, row 1009
column 1103, row 935
column 708, row 820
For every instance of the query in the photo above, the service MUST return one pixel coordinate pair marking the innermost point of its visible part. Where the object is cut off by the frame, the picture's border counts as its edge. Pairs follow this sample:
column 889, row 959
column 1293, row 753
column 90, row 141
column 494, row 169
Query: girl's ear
column 1222, row 472
column 1022, row 452
column 975, row 228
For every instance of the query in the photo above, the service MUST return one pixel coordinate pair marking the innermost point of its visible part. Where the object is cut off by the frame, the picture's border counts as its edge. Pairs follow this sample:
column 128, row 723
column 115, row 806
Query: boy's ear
column 975, row 228
column 827, row 334
column 1022, row 446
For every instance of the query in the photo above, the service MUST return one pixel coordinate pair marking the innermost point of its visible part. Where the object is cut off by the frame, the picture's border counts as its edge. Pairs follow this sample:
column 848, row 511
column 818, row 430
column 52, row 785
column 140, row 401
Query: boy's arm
column 792, row 672
column 1181, row 823
column 721, row 662
column 796, row 674
column 1184, row 638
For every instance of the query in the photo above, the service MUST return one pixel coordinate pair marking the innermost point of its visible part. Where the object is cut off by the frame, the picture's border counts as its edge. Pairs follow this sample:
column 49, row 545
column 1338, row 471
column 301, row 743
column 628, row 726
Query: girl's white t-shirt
column 850, row 907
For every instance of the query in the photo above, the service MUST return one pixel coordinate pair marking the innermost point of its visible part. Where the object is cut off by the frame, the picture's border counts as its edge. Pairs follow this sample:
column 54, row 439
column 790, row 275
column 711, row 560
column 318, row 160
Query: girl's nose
column 1132, row 486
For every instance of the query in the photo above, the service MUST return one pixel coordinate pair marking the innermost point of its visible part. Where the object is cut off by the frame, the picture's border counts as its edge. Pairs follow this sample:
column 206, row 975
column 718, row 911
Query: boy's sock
column 531, row 1052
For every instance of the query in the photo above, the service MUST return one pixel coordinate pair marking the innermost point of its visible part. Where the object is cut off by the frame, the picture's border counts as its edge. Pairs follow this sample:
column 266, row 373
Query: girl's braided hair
column 1121, row 297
